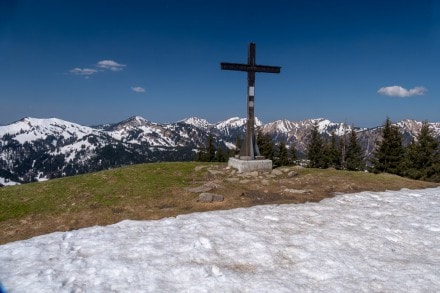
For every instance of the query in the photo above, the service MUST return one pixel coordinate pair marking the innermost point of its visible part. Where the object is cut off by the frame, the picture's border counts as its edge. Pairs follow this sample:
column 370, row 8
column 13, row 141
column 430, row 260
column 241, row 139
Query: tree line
column 279, row 153
column 419, row 160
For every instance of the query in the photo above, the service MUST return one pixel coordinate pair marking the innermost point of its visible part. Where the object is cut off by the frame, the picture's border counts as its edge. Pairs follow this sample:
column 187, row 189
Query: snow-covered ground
column 7, row 182
column 375, row 242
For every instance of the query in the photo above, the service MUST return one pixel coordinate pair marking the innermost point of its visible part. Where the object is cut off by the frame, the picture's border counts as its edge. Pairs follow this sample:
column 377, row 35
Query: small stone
column 199, row 168
column 203, row 188
column 210, row 197
column 215, row 172
column 232, row 179
column 292, row 174
column 298, row 191
column 265, row 182
column 244, row 181
column 217, row 197
column 205, row 197
column 276, row 172
column 252, row 174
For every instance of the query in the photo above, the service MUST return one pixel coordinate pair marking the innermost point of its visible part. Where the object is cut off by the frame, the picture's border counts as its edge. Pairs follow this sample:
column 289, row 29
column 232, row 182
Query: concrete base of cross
column 250, row 165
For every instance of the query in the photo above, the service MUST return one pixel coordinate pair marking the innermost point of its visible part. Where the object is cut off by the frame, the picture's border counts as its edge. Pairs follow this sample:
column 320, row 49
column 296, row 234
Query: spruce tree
column 354, row 159
column 210, row 149
column 207, row 154
column 265, row 144
column 422, row 159
column 315, row 149
column 220, row 155
column 389, row 154
column 342, row 150
column 283, row 155
column 293, row 157
column 334, row 156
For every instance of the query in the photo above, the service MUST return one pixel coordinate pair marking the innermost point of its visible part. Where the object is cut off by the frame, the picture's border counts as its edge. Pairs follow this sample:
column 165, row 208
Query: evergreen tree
column 265, row 144
column 220, row 155
column 293, row 158
column 283, row 155
column 423, row 156
column 315, row 149
column 390, row 152
column 334, row 157
column 342, row 150
column 207, row 154
column 354, row 153
column 210, row 149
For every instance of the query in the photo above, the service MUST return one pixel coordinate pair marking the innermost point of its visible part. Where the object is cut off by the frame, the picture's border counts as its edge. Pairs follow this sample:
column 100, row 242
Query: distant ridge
column 34, row 149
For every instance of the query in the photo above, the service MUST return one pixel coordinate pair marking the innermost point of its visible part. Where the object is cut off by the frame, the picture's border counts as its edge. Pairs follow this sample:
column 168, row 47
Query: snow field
column 363, row 242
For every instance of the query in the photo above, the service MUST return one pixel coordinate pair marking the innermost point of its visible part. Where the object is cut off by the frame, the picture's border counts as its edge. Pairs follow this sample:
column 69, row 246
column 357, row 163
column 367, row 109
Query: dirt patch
column 307, row 185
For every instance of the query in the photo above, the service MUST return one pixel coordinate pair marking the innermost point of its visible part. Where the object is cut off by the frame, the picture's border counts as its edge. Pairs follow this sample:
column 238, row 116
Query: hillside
column 158, row 190
column 40, row 149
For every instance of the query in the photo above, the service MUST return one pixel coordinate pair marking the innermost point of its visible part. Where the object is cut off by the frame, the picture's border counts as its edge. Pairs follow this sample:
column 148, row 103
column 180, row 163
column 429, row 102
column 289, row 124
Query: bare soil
column 291, row 185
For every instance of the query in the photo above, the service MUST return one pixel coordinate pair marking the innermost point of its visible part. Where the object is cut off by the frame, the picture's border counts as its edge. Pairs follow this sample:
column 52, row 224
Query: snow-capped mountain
column 39, row 149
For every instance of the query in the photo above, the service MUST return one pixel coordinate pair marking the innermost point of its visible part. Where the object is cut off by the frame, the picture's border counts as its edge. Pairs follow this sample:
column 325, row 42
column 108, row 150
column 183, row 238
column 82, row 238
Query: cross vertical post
column 249, row 150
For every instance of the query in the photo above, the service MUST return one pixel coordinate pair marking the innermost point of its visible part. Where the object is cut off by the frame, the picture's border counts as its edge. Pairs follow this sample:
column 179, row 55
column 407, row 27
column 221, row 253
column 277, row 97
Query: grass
column 154, row 191
column 126, row 185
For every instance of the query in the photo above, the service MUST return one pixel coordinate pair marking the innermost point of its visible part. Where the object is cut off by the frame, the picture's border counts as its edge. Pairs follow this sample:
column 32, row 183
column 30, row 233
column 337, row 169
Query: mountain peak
column 134, row 121
column 197, row 122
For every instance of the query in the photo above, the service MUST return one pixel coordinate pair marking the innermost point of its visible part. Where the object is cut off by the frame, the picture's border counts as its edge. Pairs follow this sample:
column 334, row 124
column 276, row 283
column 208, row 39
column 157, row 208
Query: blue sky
column 94, row 62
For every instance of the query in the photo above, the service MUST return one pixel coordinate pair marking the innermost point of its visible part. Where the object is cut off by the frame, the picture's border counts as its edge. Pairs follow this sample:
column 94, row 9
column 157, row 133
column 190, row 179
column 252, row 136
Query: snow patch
column 369, row 241
column 7, row 182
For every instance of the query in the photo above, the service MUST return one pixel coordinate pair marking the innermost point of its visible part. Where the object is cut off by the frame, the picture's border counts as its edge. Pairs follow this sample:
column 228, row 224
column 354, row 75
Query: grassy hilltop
column 154, row 191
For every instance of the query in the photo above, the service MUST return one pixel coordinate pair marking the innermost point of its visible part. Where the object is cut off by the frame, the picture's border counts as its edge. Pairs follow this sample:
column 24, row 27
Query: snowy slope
column 31, row 129
column 364, row 242
column 39, row 149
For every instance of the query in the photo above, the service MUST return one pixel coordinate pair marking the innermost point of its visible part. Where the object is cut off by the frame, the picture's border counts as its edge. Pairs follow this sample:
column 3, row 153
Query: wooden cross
column 249, row 151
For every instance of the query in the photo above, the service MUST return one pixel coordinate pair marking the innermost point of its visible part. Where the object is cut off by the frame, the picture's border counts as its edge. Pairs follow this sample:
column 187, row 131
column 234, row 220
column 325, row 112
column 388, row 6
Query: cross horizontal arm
column 250, row 68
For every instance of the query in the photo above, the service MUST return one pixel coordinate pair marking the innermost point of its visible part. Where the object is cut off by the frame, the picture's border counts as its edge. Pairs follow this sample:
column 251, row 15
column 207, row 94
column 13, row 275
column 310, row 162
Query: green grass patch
column 123, row 186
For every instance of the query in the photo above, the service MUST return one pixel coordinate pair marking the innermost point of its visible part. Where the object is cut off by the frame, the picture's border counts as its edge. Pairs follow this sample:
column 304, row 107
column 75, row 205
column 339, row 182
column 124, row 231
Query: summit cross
column 249, row 151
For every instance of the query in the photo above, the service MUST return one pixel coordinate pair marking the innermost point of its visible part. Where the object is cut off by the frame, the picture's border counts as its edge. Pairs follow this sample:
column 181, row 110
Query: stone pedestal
column 250, row 165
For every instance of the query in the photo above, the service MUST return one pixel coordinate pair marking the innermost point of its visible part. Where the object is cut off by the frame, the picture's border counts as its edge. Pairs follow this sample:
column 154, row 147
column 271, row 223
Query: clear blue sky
column 95, row 62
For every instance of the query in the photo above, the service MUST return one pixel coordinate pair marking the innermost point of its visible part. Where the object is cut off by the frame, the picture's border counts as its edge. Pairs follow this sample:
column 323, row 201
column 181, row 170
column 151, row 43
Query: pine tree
column 390, row 152
column 283, row 155
column 423, row 156
column 354, row 153
column 293, row 158
column 342, row 150
column 265, row 144
column 315, row 149
column 207, row 154
column 334, row 157
column 220, row 155
column 210, row 149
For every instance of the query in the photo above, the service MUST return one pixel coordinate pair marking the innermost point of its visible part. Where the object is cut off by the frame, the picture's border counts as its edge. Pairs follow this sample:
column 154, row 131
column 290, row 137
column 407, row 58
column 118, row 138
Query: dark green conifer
column 265, row 144
column 283, row 155
column 293, row 158
column 207, row 154
column 333, row 153
column 390, row 152
column 315, row 149
column 220, row 155
column 422, row 159
column 354, row 158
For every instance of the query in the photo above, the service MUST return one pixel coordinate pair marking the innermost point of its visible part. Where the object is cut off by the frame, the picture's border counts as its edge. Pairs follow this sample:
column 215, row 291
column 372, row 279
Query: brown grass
column 155, row 191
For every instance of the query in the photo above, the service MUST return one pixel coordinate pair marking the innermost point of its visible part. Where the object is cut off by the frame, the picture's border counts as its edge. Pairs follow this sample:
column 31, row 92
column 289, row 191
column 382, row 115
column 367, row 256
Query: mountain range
column 34, row 149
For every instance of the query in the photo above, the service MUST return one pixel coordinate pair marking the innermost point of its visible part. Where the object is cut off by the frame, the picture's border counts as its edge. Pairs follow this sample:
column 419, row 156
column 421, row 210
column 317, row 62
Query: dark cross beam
column 250, row 149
